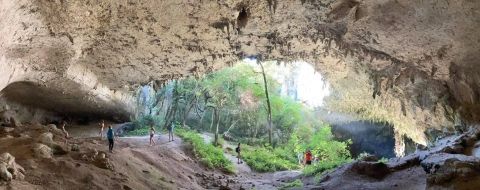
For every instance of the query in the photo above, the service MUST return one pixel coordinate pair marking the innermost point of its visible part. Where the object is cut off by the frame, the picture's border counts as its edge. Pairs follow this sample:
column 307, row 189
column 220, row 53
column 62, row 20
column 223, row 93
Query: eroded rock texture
column 418, row 60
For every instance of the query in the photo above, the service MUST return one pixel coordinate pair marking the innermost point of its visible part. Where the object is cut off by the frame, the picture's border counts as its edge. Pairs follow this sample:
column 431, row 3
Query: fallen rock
column 42, row 151
column 103, row 163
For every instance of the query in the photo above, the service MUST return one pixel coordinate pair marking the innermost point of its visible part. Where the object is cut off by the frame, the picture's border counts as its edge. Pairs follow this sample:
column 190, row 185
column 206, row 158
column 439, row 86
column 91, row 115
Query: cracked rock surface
column 418, row 60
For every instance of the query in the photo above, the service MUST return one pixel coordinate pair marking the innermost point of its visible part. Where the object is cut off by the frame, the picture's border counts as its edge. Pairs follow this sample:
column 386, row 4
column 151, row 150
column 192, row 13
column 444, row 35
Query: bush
column 329, row 152
column 266, row 160
column 142, row 125
column 322, row 166
column 208, row 154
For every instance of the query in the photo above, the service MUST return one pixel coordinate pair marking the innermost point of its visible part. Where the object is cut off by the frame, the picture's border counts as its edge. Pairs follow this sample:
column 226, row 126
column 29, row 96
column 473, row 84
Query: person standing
column 110, row 137
column 102, row 128
column 238, row 150
column 152, row 133
column 65, row 132
column 170, row 131
column 308, row 157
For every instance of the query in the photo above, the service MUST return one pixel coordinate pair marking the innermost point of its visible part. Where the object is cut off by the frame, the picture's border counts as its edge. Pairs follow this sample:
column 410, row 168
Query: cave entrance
column 260, row 104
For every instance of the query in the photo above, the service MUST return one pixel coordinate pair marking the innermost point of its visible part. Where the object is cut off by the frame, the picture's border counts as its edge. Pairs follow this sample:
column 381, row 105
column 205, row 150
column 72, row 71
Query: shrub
column 208, row 154
column 266, row 160
column 142, row 125
column 322, row 166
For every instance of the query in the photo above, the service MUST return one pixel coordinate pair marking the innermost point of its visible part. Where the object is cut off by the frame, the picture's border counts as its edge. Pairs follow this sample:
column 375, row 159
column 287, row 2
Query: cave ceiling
column 420, row 58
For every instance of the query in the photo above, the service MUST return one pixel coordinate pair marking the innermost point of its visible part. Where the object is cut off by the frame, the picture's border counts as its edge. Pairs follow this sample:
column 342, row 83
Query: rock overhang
column 419, row 59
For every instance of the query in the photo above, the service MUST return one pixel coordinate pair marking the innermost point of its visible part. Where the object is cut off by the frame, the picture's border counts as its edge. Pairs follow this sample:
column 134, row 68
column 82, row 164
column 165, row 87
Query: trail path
column 250, row 178
column 175, row 160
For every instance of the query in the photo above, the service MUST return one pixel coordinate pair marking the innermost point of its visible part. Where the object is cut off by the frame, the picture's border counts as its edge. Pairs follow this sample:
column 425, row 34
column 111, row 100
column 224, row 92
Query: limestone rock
column 7, row 129
column 453, row 170
column 46, row 138
column 9, row 169
column 42, row 151
column 376, row 170
column 4, row 173
column 404, row 61
column 75, row 147
column 53, row 129
column 103, row 162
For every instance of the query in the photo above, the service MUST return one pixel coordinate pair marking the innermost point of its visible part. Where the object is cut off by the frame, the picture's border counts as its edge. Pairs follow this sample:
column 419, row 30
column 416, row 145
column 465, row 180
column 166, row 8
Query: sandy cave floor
column 166, row 165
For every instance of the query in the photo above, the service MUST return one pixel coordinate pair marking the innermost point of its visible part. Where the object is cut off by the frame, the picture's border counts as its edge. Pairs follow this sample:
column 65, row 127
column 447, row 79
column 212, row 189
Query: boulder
column 7, row 158
column 42, row 151
column 46, row 138
column 404, row 162
column 4, row 173
column 454, row 170
column 53, row 129
column 103, row 163
column 9, row 169
column 377, row 170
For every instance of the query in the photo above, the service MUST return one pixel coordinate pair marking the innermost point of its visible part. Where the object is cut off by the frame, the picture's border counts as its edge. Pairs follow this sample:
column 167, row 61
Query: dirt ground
column 167, row 165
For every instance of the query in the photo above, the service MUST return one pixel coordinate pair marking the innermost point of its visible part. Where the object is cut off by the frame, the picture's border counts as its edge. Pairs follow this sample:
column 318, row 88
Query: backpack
column 237, row 149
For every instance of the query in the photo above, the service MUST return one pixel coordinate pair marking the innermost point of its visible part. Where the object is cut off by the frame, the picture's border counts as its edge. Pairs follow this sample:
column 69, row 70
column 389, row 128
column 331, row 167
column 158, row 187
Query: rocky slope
column 416, row 60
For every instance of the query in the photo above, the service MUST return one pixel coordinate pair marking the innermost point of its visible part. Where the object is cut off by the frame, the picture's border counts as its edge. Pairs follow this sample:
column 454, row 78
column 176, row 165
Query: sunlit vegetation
column 232, row 104
column 294, row 184
column 208, row 154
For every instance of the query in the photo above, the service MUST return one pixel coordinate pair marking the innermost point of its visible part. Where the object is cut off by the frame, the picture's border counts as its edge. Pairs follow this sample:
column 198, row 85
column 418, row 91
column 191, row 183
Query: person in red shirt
column 308, row 157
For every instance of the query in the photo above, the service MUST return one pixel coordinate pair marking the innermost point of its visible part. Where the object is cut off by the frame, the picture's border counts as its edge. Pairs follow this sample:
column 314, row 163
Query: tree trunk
column 185, row 115
column 212, row 119
column 269, row 127
column 216, row 130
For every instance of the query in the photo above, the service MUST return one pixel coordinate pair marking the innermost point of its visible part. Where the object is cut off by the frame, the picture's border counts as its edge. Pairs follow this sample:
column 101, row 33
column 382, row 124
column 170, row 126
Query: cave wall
column 418, row 60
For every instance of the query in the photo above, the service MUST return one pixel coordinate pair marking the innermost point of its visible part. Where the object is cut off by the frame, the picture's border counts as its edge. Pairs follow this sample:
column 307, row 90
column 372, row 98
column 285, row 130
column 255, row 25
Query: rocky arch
column 418, row 60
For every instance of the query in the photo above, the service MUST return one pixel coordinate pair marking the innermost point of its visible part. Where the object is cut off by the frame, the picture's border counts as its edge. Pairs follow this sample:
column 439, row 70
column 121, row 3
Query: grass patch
column 323, row 166
column 266, row 160
column 208, row 154
column 294, row 184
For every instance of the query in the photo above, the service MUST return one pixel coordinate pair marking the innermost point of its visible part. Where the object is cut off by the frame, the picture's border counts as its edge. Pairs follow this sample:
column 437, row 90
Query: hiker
column 102, row 127
column 152, row 133
column 308, row 157
column 110, row 136
column 170, row 131
column 65, row 132
column 238, row 150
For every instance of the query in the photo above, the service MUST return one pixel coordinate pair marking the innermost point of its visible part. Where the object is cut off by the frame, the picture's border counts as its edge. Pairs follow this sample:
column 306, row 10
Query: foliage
column 294, row 184
column 232, row 101
column 142, row 125
column 209, row 155
column 329, row 152
column 266, row 160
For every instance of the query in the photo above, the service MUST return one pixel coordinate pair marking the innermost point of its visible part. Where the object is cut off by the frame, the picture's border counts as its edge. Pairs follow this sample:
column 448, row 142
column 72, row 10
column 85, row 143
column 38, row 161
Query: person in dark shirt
column 110, row 137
